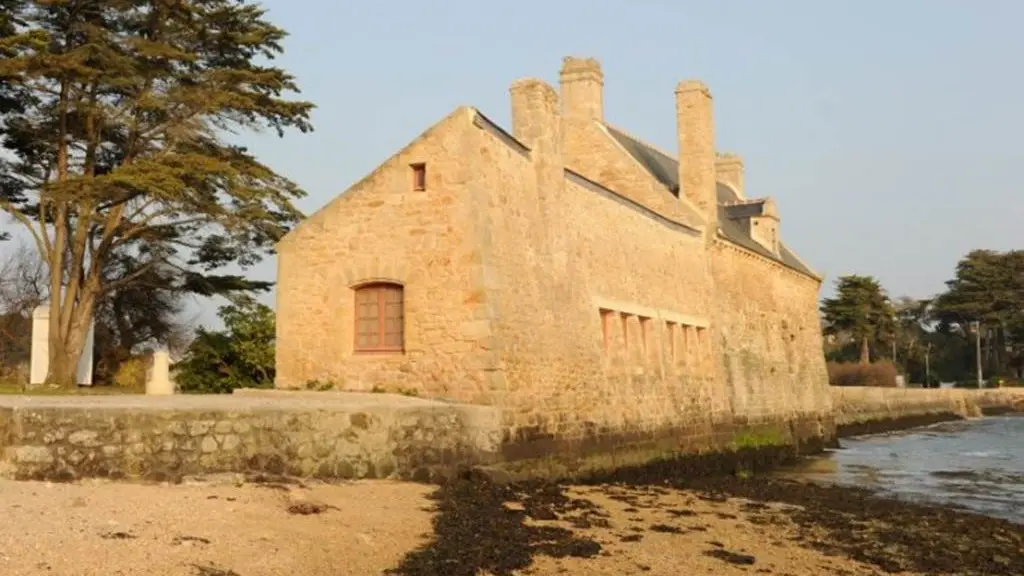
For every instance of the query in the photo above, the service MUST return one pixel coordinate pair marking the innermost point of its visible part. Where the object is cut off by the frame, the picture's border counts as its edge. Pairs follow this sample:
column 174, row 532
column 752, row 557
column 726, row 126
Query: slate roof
column 665, row 169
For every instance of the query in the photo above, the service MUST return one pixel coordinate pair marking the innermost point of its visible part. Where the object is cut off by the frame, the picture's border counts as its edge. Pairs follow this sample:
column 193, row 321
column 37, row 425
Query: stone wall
column 382, row 229
column 353, row 435
column 862, row 410
column 768, row 337
column 166, row 438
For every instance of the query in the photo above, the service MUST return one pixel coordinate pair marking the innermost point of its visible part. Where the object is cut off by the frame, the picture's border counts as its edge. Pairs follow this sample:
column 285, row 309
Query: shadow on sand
column 481, row 525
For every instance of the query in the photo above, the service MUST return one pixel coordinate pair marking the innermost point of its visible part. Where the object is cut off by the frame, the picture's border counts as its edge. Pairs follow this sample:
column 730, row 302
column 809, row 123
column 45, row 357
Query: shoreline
column 263, row 526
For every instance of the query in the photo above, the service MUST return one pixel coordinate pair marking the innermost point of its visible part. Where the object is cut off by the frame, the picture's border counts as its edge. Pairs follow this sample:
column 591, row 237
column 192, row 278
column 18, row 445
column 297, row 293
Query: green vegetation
column 113, row 118
column 881, row 373
column 934, row 339
column 757, row 439
column 860, row 310
column 240, row 356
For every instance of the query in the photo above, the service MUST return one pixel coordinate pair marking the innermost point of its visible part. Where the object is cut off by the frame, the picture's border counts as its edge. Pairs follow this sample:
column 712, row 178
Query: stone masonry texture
column 167, row 438
column 337, row 435
column 548, row 274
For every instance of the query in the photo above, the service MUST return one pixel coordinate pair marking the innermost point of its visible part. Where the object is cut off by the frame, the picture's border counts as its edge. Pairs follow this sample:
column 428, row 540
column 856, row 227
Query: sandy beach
column 260, row 526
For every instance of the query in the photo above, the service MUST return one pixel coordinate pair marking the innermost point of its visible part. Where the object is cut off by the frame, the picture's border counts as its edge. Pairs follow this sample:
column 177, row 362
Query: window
column 671, row 336
column 379, row 318
column 606, row 328
column 419, row 177
column 645, row 329
column 625, row 332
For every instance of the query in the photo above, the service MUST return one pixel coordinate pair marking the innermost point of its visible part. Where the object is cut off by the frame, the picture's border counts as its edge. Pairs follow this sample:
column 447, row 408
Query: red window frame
column 379, row 316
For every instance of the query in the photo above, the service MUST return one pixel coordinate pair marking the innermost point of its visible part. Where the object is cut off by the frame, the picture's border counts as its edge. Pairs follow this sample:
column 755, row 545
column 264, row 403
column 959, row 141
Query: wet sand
column 634, row 524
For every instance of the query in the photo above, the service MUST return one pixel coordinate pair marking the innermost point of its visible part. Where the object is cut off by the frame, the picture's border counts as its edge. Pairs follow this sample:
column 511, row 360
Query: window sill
column 377, row 353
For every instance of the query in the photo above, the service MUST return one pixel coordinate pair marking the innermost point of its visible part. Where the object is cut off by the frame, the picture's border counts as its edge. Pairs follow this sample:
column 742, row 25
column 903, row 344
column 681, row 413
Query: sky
column 888, row 132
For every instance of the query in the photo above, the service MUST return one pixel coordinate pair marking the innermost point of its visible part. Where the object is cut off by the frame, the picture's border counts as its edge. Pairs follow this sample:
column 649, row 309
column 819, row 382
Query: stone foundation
column 724, row 446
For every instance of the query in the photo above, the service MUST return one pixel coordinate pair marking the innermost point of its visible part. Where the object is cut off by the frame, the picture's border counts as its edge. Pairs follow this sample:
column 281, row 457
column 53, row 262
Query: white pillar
column 40, row 344
column 40, row 362
column 159, row 382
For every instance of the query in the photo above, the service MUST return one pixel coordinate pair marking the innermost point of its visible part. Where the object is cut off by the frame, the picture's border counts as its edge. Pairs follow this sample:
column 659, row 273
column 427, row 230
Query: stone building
column 593, row 287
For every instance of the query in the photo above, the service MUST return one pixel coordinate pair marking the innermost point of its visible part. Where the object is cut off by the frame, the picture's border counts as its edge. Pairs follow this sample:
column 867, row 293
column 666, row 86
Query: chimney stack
column 696, row 135
column 536, row 120
column 729, row 170
column 537, row 123
column 582, row 86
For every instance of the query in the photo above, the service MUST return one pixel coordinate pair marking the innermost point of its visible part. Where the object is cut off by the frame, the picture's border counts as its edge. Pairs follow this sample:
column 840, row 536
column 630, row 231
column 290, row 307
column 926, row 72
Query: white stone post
column 159, row 382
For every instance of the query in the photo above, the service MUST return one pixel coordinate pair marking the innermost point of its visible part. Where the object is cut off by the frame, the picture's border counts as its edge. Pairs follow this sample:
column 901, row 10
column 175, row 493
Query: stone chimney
column 696, row 134
column 582, row 85
column 729, row 170
column 537, row 123
column 536, row 120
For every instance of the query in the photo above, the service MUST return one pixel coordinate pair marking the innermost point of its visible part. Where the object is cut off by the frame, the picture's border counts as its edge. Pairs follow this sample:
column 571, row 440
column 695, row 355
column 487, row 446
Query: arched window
column 379, row 318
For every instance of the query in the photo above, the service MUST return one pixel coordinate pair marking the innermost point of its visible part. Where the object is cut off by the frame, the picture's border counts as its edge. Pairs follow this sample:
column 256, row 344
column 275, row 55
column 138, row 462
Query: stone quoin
column 605, row 296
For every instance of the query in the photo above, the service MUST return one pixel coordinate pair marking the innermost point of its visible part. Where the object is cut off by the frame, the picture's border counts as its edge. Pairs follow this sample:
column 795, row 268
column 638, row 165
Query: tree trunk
column 865, row 351
column 66, row 349
column 64, row 357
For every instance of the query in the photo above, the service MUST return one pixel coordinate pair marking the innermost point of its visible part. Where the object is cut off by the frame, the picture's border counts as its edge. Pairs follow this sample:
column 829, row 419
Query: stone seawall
column 864, row 410
column 167, row 438
column 353, row 435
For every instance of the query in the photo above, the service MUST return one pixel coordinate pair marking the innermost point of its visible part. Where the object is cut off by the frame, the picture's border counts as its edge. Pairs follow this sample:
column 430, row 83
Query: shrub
column 131, row 373
column 882, row 374
column 240, row 356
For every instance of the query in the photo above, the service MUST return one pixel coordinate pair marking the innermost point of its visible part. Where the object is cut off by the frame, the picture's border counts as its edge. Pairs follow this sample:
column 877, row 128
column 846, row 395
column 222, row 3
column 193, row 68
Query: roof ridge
column 654, row 147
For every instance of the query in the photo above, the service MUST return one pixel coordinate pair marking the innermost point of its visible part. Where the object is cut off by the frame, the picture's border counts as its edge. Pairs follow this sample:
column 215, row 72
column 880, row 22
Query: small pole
column 977, row 349
column 927, row 366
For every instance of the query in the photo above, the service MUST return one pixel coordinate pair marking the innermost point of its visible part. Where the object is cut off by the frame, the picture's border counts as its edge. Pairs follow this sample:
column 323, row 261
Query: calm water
column 976, row 464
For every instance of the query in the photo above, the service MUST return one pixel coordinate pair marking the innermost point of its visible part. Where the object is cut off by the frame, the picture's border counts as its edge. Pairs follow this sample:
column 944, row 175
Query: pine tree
column 113, row 117
column 860, row 309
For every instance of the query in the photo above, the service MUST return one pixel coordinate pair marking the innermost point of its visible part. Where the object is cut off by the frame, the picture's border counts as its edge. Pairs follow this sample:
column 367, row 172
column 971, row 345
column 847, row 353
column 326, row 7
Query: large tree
column 860, row 310
column 116, row 145
column 988, row 288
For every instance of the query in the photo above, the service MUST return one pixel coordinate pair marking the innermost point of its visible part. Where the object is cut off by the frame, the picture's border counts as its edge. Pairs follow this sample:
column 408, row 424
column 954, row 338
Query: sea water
column 974, row 464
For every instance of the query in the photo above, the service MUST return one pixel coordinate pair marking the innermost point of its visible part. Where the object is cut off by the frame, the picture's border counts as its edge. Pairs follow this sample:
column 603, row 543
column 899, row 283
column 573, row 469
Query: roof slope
column 665, row 169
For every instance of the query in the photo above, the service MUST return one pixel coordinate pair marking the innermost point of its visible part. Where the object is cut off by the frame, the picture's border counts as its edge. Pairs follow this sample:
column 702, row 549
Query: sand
column 268, row 526
column 213, row 528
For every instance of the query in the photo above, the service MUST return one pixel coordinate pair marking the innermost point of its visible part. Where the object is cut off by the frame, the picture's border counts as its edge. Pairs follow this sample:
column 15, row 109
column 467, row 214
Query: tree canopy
column 988, row 288
column 861, row 310
column 115, row 121
column 240, row 356
column 934, row 337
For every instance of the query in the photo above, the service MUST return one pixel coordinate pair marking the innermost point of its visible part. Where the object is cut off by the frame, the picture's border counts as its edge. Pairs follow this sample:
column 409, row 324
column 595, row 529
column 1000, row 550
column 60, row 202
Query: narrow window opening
column 625, row 334
column 419, row 177
column 670, row 329
column 645, row 327
column 606, row 328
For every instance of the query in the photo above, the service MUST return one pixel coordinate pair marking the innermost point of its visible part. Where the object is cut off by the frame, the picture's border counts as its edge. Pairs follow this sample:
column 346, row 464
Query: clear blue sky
column 889, row 132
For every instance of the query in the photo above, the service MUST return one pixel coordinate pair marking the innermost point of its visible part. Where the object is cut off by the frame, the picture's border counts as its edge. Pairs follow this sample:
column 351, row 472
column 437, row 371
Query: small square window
column 419, row 177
